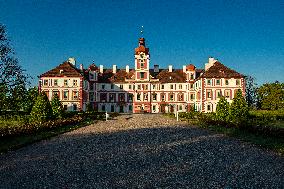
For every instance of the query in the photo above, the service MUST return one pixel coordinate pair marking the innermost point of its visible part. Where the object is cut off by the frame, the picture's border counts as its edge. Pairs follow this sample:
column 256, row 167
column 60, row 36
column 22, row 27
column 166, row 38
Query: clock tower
column 142, row 61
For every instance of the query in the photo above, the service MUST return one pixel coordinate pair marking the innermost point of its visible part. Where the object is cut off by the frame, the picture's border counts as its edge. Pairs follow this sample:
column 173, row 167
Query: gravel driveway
column 145, row 151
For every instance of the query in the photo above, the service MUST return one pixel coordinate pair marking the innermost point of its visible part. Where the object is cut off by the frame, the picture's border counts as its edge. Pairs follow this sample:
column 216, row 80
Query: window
column 111, row 86
column 103, row 108
column 208, row 81
column 237, row 82
column 130, row 97
column 65, row 107
column 142, row 75
column 154, row 96
column 227, row 82
column 218, row 82
column 208, row 94
column 171, row 97
column 121, row 86
column 56, row 82
column 111, row 97
column 121, row 97
column 75, row 95
column 192, row 96
column 172, row 86
column 180, row 97
column 191, row 85
column 208, row 107
column 74, row 107
column 138, row 87
column 162, row 87
column 154, row 108
column 129, row 86
column 227, row 93
column 163, row 97
column 103, row 86
column 75, row 82
column 91, row 87
column 142, row 64
column 180, row 107
column 154, row 86
column 112, row 108
column 103, row 97
column 138, row 96
column 65, row 95
column 219, row 94
column 65, row 82
column 146, row 87
column 180, row 86
column 55, row 93
column 91, row 76
column 191, row 76
column 145, row 96
column 45, row 82
column 91, row 96
column 130, row 107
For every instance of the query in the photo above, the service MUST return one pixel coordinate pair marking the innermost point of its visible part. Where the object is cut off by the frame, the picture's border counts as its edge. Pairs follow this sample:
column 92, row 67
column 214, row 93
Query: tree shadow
column 173, row 157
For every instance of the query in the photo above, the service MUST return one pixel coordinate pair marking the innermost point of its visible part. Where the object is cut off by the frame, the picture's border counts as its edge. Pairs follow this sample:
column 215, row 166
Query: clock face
column 142, row 55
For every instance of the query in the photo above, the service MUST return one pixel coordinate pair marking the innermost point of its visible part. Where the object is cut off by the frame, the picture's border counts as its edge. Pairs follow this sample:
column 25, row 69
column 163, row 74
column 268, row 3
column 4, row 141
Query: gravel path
column 144, row 151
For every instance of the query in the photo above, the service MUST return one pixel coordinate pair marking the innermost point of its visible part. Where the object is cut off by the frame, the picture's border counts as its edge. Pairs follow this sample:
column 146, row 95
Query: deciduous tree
column 41, row 110
column 271, row 96
column 12, row 78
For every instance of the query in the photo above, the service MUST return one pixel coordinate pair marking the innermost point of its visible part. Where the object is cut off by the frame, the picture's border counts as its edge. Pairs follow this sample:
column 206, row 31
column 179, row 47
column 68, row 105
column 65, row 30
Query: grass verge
column 12, row 143
column 267, row 142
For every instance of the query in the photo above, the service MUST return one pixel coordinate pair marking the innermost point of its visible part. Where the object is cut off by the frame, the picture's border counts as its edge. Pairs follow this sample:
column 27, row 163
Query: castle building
column 141, row 89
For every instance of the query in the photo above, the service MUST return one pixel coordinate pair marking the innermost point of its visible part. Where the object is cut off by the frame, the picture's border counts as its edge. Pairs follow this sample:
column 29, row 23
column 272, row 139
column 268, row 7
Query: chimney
column 114, row 69
column 170, row 68
column 127, row 68
column 156, row 68
column 210, row 63
column 72, row 60
column 184, row 68
column 101, row 69
column 81, row 67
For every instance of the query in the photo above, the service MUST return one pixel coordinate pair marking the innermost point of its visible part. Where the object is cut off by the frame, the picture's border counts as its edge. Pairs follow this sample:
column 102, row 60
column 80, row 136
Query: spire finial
column 142, row 31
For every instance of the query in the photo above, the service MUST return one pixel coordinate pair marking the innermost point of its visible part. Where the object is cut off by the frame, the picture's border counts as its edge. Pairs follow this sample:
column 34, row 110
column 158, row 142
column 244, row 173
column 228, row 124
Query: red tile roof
column 69, row 70
column 218, row 70
column 177, row 76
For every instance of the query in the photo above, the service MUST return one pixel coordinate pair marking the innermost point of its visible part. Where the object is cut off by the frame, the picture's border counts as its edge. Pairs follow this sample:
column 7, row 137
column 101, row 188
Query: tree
column 30, row 98
column 223, row 109
column 251, row 91
column 12, row 78
column 271, row 96
column 57, row 108
column 41, row 110
column 239, row 109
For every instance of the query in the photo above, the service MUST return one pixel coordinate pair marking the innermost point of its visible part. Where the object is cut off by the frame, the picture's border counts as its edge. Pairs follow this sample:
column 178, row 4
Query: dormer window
column 91, row 76
column 61, row 71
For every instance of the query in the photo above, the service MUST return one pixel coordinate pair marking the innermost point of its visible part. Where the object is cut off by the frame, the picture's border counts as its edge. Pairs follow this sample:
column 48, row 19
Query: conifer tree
column 41, row 110
column 239, row 109
column 57, row 108
column 223, row 109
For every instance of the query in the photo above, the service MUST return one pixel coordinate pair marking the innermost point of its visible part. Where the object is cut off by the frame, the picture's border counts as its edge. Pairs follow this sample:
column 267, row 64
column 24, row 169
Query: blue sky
column 247, row 36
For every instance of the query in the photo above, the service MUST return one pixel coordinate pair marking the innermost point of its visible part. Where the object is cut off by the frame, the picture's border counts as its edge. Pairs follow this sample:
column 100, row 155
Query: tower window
column 142, row 75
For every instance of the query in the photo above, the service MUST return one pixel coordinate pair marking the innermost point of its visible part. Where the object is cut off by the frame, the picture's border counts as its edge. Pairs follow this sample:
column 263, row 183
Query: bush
column 41, row 110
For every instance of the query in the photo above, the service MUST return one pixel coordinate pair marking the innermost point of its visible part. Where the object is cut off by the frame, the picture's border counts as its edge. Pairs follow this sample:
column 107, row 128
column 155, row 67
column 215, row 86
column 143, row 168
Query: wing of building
column 141, row 89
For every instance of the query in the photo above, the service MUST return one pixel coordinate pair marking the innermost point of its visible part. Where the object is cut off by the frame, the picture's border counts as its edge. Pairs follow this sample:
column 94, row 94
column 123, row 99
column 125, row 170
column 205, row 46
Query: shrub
column 41, row 110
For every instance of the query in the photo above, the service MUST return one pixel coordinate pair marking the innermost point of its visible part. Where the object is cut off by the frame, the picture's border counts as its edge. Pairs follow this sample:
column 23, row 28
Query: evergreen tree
column 223, row 109
column 30, row 98
column 57, row 108
column 41, row 110
column 239, row 109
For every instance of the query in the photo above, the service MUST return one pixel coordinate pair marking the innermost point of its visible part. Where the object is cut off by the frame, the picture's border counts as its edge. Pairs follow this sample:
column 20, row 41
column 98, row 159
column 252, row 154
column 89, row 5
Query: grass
column 272, row 143
column 12, row 143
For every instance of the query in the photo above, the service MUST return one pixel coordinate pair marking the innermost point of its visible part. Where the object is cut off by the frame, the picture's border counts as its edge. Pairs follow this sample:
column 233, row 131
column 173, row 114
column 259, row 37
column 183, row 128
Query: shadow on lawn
column 147, row 158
